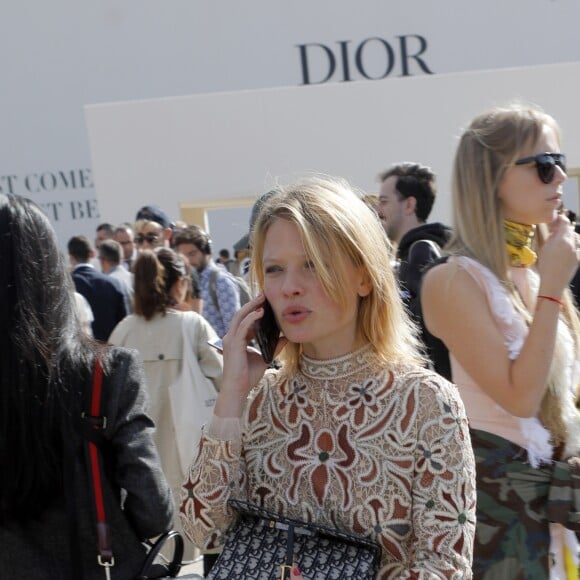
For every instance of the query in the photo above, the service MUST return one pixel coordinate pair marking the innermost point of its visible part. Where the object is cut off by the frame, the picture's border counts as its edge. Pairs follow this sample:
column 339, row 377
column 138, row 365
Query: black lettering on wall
column 7, row 183
column 405, row 56
column 304, row 63
column 360, row 61
column 319, row 63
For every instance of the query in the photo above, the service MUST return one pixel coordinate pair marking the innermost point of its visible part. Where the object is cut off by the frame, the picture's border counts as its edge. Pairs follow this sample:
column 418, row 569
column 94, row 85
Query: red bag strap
column 98, row 422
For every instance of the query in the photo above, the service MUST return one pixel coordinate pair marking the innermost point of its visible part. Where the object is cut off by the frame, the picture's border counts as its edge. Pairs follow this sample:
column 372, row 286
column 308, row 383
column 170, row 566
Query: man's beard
column 202, row 265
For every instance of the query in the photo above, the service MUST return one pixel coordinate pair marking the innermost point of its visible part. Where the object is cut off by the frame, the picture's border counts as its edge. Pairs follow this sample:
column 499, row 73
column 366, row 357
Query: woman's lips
column 295, row 314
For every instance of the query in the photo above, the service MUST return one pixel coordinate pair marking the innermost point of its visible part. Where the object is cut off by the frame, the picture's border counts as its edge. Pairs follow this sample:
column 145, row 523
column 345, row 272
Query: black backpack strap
column 213, row 289
column 436, row 349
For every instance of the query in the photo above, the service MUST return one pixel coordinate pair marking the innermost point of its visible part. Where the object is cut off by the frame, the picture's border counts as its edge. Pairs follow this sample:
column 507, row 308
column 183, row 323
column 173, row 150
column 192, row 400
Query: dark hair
column 193, row 235
column 155, row 274
column 416, row 181
column 79, row 248
column 111, row 251
column 106, row 227
column 43, row 354
column 225, row 253
column 124, row 227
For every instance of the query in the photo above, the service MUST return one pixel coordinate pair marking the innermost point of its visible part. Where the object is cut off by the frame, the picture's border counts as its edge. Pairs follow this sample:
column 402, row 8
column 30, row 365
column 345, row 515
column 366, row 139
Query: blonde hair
column 334, row 222
column 493, row 141
column 141, row 224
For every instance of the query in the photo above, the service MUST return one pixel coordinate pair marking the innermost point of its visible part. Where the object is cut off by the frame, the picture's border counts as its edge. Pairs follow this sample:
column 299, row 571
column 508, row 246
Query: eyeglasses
column 546, row 164
column 149, row 238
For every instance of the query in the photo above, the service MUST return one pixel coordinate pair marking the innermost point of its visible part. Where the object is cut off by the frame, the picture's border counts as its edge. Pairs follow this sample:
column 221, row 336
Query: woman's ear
column 365, row 284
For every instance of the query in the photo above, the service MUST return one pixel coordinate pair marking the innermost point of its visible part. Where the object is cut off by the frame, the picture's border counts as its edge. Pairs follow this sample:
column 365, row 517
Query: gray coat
column 41, row 549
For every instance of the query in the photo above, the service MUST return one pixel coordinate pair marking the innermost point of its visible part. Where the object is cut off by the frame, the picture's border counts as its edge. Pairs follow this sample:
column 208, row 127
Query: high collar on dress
column 335, row 368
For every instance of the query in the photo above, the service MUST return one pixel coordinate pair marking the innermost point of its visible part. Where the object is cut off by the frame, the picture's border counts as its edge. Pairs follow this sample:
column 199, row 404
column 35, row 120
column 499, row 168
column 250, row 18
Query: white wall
column 56, row 57
column 204, row 148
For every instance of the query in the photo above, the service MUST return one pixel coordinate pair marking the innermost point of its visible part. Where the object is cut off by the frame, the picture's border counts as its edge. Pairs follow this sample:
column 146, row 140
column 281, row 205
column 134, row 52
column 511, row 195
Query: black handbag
column 263, row 545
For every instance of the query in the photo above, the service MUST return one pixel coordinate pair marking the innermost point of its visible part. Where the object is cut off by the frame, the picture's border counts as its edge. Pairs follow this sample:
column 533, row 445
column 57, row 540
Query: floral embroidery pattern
column 295, row 402
column 322, row 458
column 381, row 452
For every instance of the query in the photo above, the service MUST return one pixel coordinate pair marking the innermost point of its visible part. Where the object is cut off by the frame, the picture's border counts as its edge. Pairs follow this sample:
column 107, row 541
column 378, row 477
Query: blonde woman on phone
column 350, row 432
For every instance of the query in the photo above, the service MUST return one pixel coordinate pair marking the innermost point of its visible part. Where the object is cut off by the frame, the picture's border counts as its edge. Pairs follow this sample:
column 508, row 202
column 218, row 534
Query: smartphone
column 217, row 344
column 267, row 333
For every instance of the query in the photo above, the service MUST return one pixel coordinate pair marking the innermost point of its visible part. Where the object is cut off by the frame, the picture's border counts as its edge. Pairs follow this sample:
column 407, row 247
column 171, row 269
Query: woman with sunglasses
column 502, row 306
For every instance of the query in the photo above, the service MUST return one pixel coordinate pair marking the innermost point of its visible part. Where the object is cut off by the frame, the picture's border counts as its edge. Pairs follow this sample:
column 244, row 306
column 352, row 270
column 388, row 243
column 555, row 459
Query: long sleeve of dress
column 376, row 452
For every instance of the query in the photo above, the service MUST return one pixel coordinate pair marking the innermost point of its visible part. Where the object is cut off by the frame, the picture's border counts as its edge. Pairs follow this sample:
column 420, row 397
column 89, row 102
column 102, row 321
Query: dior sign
column 374, row 58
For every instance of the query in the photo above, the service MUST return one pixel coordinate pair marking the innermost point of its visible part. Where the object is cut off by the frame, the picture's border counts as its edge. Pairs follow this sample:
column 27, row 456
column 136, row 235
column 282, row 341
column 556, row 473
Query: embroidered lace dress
column 375, row 451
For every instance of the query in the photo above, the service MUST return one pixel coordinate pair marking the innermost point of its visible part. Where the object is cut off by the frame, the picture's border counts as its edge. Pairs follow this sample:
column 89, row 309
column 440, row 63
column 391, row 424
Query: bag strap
column 213, row 289
column 152, row 569
column 93, row 426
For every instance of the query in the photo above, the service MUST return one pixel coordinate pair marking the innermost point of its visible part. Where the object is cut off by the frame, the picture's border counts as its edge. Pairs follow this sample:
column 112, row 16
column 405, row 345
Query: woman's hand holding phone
column 267, row 333
column 243, row 366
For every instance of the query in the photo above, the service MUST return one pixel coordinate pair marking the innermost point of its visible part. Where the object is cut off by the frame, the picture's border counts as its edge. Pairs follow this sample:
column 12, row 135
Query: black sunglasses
column 546, row 164
column 149, row 238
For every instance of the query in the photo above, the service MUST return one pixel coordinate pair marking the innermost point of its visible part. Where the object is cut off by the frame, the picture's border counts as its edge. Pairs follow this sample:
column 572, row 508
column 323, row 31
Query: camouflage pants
column 512, row 537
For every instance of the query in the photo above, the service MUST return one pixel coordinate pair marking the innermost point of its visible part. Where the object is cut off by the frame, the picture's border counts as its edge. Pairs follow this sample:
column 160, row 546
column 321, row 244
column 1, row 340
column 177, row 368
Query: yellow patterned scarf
column 519, row 243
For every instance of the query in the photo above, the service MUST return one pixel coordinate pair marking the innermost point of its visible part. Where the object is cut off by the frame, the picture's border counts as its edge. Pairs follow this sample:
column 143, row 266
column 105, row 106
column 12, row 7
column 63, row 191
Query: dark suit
column 105, row 296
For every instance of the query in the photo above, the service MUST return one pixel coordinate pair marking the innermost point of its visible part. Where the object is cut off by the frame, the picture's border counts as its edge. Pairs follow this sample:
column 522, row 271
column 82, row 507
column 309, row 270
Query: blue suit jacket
column 105, row 296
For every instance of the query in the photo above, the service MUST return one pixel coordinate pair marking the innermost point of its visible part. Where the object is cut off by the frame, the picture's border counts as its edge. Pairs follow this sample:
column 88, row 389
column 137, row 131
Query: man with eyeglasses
column 149, row 235
column 124, row 235
column 405, row 201
column 153, row 228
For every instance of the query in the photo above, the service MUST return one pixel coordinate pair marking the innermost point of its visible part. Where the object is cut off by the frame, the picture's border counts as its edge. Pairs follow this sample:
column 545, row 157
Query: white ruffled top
column 483, row 412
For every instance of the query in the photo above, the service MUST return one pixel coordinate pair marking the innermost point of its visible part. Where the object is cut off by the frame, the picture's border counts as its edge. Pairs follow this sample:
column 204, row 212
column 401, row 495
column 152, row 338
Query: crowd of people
column 424, row 392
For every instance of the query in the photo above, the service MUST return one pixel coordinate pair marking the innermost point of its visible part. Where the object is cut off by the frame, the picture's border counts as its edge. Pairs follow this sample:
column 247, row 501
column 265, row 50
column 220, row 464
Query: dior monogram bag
column 263, row 545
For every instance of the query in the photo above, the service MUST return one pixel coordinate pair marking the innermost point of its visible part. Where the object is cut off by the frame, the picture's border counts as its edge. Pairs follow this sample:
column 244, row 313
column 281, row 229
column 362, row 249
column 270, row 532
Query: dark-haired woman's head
column 43, row 355
column 37, row 313
column 160, row 281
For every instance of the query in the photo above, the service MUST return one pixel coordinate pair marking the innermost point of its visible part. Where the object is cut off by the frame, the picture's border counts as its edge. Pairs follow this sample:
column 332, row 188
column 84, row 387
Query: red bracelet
column 552, row 299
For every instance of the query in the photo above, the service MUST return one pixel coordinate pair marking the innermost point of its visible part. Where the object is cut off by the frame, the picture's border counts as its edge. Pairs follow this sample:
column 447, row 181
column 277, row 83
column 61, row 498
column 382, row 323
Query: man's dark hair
column 111, row 251
column 109, row 228
column 79, row 248
column 193, row 235
column 414, row 180
column 224, row 253
column 122, row 228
